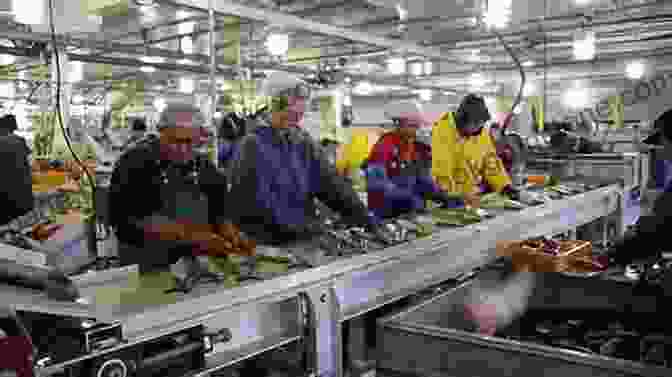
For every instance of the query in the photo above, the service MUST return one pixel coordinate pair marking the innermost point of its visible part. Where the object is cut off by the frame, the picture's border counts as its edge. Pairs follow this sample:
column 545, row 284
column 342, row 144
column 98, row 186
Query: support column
column 325, row 340
column 213, row 85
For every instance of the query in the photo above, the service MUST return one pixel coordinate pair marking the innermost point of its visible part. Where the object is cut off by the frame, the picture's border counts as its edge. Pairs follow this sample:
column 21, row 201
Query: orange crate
column 574, row 256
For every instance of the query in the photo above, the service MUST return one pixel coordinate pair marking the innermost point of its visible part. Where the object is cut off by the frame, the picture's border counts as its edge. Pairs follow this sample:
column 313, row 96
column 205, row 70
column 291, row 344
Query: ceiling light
column 529, row 63
column 186, row 85
column 347, row 100
column 76, row 73
column 186, row 62
column 402, row 12
column 635, row 70
column 428, row 67
column 185, row 27
column 7, row 59
column 28, row 12
column 277, row 44
column 78, row 99
column 416, row 69
column 477, row 80
column 364, row 88
column 529, row 89
column 577, row 98
column 153, row 59
column 7, row 89
column 396, row 66
column 425, row 94
column 584, row 46
column 147, row 69
column 582, row 2
column 187, row 45
column 159, row 104
column 497, row 14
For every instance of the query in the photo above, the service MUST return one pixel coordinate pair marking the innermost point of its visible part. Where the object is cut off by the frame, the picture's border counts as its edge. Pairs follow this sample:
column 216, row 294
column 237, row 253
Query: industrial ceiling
column 357, row 38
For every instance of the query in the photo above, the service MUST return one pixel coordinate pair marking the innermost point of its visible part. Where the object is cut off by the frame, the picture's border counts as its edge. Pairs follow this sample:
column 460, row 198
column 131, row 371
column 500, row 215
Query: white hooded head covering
column 407, row 112
column 280, row 83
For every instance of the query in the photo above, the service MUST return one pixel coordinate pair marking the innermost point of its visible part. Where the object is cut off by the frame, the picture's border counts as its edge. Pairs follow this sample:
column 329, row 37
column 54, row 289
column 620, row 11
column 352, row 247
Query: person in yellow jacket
column 464, row 157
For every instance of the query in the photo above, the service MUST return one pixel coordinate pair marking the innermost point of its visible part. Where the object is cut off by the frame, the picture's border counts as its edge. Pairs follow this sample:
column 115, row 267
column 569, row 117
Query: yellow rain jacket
column 461, row 165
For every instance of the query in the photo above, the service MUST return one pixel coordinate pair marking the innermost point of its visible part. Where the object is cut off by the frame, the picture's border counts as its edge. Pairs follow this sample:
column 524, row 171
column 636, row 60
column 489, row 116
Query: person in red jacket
column 398, row 170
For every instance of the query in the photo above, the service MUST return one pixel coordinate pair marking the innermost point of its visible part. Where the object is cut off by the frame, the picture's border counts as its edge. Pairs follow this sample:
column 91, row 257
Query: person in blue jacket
column 398, row 170
column 281, row 170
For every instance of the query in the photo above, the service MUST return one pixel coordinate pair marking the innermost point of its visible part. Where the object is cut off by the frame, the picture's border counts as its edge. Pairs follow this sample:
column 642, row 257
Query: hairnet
column 181, row 114
column 405, row 112
column 284, row 84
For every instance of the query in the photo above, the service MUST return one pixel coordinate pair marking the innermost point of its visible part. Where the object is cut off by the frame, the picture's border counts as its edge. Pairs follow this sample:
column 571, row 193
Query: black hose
column 59, row 114
column 523, row 79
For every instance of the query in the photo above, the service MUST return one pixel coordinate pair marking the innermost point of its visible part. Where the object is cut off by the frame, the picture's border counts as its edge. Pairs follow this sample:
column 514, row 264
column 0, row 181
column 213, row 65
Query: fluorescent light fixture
column 396, row 66
column 186, row 85
column 497, row 14
column 416, row 68
column 78, row 99
column 477, row 80
column 147, row 69
column 584, row 46
column 153, row 59
column 425, row 94
column 7, row 89
column 185, row 27
column 218, row 115
column 76, row 73
column 577, row 98
column 635, row 70
column 186, row 62
column 402, row 12
column 159, row 104
column 529, row 89
column 277, row 44
column 429, row 67
column 7, row 59
column 364, row 88
column 529, row 63
column 582, row 2
column 187, row 45
column 448, row 93
column 29, row 12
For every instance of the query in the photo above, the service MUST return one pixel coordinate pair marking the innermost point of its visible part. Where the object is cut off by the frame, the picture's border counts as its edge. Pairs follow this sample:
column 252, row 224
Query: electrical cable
column 523, row 78
column 59, row 116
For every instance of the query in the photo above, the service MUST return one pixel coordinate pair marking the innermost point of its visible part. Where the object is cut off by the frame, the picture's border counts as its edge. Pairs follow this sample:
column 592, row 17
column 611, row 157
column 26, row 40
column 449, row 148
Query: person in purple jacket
column 281, row 170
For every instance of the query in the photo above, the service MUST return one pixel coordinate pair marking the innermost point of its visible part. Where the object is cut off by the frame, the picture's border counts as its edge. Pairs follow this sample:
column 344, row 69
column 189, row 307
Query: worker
column 16, row 192
column 281, row 170
column 398, row 170
column 161, row 186
column 231, row 131
column 648, row 238
column 464, row 157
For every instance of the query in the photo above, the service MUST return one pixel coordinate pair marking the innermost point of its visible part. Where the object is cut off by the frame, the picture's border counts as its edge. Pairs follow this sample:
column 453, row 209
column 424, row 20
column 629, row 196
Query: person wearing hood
column 16, row 192
column 464, row 157
column 398, row 171
column 281, row 170
column 162, row 187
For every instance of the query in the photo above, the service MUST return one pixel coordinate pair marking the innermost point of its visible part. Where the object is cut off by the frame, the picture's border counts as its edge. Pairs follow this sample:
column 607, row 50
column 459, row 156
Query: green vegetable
column 270, row 267
column 498, row 201
column 455, row 217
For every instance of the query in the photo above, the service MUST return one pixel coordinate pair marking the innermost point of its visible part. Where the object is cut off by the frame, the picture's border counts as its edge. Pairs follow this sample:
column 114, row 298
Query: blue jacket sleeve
column 377, row 178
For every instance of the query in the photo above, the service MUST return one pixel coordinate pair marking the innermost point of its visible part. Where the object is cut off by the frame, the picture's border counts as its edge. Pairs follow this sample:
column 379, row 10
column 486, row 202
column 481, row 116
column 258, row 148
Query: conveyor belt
column 270, row 309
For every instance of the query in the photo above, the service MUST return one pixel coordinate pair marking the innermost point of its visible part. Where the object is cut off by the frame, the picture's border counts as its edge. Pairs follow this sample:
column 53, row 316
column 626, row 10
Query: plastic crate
column 569, row 259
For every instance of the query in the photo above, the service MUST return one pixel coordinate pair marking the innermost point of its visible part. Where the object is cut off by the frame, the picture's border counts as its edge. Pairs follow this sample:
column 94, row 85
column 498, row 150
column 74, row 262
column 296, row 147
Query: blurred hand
column 473, row 199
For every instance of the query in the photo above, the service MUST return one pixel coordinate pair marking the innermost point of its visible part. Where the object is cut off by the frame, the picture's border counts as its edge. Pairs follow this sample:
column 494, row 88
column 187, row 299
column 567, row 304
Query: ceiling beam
column 228, row 7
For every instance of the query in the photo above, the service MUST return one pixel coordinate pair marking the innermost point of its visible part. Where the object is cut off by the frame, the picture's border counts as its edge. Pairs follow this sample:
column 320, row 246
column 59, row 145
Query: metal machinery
column 312, row 305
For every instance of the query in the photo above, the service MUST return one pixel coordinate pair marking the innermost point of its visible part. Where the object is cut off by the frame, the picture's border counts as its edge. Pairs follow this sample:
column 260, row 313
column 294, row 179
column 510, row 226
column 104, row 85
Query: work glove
column 511, row 193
